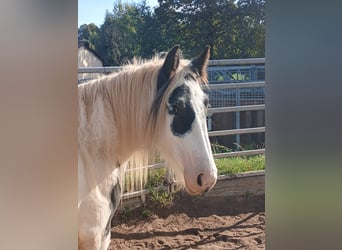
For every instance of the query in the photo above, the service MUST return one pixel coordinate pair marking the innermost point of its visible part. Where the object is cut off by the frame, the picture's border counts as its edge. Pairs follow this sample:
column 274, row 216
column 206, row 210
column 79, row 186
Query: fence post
column 209, row 123
column 237, row 117
column 143, row 197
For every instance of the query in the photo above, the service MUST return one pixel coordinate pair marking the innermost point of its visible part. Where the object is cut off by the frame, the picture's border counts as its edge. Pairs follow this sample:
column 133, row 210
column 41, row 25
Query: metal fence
column 234, row 86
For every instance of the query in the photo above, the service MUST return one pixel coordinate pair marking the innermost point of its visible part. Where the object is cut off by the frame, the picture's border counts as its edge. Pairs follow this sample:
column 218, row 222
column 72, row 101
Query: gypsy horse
column 155, row 104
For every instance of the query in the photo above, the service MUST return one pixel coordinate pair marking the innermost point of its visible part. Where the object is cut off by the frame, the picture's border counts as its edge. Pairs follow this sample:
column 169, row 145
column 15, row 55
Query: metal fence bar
column 240, row 153
column 241, row 175
column 99, row 69
column 236, row 61
column 152, row 167
column 142, row 192
column 223, row 62
column 237, row 131
column 258, row 84
column 236, row 109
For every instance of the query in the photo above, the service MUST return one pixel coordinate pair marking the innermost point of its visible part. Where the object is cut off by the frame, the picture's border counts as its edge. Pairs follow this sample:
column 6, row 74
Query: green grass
column 234, row 76
column 126, row 214
column 146, row 213
column 233, row 165
column 155, row 179
column 161, row 198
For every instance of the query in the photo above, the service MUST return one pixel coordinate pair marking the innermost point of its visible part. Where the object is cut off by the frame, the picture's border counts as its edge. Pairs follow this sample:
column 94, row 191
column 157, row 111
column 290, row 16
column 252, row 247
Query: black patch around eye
column 181, row 107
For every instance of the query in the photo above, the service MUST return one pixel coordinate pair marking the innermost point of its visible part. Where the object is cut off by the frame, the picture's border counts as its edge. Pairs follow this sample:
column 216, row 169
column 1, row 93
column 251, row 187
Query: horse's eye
column 206, row 102
column 175, row 109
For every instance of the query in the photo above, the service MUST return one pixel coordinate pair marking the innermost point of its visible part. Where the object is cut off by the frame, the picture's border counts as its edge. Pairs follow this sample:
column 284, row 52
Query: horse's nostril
column 199, row 179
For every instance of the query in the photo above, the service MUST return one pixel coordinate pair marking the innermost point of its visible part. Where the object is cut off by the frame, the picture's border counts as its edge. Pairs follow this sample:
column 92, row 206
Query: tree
column 234, row 29
column 167, row 26
column 90, row 33
column 207, row 22
column 107, row 46
column 123, row 33
column 251, row 23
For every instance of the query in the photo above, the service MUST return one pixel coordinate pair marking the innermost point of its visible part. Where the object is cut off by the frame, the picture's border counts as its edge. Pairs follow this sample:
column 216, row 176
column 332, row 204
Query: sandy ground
column 194, row 223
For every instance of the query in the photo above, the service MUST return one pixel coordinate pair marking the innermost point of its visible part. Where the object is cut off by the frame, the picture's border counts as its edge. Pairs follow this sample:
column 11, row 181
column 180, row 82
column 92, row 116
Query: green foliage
column 89, row 33
column 155, row 177
column 232, row 165
column 126, row 213
column 249, row 146
column 161, row 198
column 234, row 29
column 146, row 213
column 217, row 148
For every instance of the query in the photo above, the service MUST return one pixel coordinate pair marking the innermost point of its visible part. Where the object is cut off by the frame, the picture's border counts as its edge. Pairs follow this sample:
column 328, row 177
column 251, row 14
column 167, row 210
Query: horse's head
column 183, row 137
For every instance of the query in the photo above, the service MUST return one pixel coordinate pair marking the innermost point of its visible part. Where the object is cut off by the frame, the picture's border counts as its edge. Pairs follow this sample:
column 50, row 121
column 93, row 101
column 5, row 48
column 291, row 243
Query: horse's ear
column 199, row 64
column 169, row 67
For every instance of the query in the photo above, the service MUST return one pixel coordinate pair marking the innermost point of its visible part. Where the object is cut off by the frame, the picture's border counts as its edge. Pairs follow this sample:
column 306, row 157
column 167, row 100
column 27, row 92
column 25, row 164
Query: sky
column 93, row 11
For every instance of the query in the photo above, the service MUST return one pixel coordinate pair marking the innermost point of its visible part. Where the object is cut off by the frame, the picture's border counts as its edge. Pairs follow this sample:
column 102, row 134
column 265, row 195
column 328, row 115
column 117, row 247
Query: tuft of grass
column 233, row 165
column 249, row 146
column 217, row 148
column 146, row 213
column 155, row 177
column 161, row 198
column 126, row 213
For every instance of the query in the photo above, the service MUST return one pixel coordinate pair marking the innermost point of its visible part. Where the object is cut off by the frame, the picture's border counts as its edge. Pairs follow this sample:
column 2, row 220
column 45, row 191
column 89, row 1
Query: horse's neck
column 94, row 172
column 97, row 135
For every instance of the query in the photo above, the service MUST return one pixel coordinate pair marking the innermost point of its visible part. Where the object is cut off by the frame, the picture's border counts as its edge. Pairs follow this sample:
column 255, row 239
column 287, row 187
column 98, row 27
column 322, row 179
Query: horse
column 157, row 103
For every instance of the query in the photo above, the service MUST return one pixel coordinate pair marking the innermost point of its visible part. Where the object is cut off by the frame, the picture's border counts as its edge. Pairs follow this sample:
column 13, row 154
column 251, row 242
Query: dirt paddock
column 194, row 223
